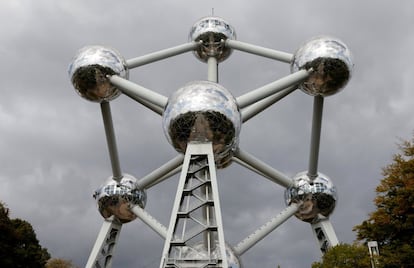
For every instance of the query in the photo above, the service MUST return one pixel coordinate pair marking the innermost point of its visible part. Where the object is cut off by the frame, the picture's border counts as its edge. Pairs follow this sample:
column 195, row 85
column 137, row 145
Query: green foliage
column 345, row 256
column 59, row 263
column 392, row 223
column 19, row 247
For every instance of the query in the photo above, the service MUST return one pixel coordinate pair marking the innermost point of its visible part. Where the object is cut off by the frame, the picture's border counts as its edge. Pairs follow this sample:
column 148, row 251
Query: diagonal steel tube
column 265, row 229
column 154, row 224
column 166, row 176
column 135, row 91
column 258, row 107
column 111, row 140
column 269, row 172
column 160, row 172
column 260, row 51
column 315, row 136
column 272, row 88
column 162, row 54
column 152, row 107
column 244, row 164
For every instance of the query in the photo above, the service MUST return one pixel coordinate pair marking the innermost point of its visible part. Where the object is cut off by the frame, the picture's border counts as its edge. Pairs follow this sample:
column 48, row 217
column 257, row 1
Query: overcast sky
column 53, row 151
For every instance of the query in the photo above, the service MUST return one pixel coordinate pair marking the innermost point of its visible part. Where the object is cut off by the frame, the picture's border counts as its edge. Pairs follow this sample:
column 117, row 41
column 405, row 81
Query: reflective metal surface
column 318, row 197
column 331, row 62
column 198, row 251
column 88, row 71
column 211, row 31
column 115, row 198
column 203, row 111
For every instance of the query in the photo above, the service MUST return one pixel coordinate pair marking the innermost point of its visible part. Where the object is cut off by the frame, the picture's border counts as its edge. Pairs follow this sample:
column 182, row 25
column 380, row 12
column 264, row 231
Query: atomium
column 116, row 198
column 89, row 70
column 330, row 62
column 212, row 31
column 202, row 121
column 203, row 111
column 317, row 197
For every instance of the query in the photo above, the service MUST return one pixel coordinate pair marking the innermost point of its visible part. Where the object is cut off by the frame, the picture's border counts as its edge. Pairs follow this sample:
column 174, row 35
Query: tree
column 19, row 247
column 345, row 256
column 59, row 263
column 392, row 223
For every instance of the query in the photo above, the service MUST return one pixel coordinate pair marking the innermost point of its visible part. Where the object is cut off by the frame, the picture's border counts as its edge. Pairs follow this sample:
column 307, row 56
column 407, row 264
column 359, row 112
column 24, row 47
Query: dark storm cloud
column 53, row 149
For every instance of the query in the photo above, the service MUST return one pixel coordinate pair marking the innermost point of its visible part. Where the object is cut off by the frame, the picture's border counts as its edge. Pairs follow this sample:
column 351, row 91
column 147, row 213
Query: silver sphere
column 198, row 251
column 318, row 196
column 331, row 64
column 115, row 198
column 212, row 31
column 89, row 69
column 203, row 111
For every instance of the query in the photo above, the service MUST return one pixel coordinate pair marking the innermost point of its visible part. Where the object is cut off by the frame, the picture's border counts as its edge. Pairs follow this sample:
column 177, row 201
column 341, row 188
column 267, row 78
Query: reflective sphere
column 318, row 196
column 211, row 31
column 331, row 62
column 203, row 111
column 198, row 251
column 89, row 69
column 115, row 198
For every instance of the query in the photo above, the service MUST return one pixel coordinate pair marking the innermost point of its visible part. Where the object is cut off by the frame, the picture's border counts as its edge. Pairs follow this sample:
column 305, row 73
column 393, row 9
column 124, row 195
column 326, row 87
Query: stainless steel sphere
column 331, row 64
column 318, row 196
column 211, row 31
column 89, row 69
column 203, row 111
column 198, row 251
column 115, row 198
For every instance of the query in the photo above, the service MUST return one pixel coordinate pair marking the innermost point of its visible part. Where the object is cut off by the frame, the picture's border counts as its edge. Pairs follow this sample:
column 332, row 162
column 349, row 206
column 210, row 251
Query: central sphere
column 115, row 198
column 203, row 111
column 318, row 196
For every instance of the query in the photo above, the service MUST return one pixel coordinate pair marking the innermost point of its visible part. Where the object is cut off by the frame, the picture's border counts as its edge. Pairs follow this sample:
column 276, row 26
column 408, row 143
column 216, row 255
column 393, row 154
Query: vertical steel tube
column 209, row 237
column 212, row 75
column 111, row 141
column 315, row 137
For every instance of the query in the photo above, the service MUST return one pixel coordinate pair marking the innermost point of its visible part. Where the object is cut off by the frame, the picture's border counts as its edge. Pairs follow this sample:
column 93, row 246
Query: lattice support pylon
column 195, row 235
column 325, row 234
column 102, row 252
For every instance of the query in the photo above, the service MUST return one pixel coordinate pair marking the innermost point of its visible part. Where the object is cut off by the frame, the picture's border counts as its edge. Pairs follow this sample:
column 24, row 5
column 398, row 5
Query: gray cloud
column 53, row 149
